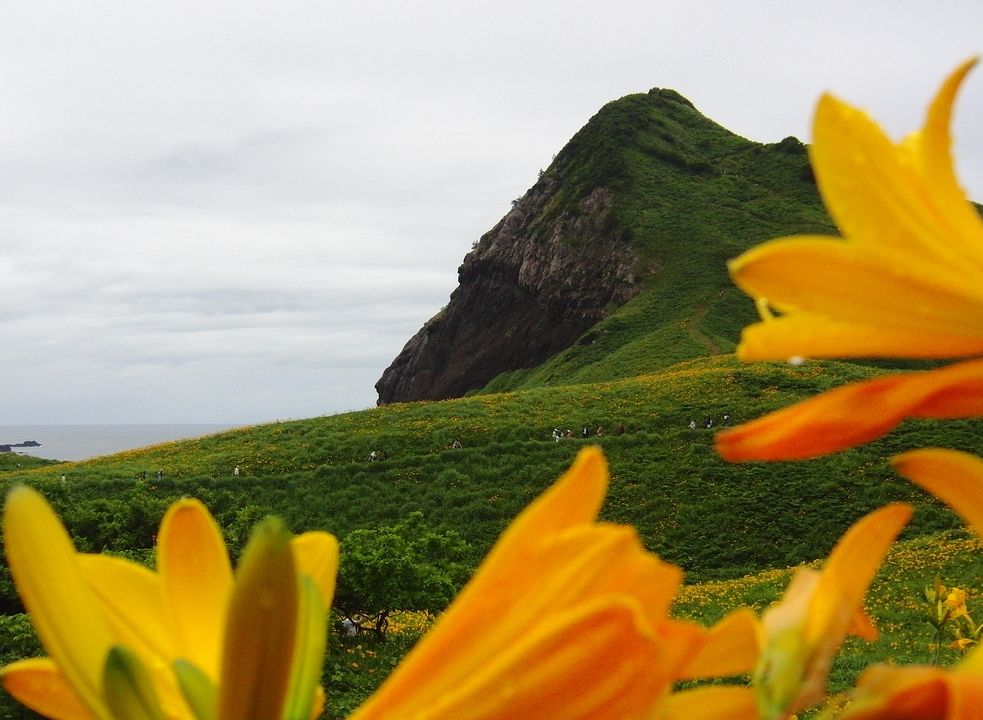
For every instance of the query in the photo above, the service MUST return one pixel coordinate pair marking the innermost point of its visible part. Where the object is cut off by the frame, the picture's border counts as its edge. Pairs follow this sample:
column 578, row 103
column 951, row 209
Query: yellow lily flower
column 192, row 611
column 905, row 280
column 885, row 692
column 566, row 618
column 802, row 632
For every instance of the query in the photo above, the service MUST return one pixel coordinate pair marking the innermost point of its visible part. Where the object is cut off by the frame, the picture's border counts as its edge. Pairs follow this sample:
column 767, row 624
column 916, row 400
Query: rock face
column 529, row 288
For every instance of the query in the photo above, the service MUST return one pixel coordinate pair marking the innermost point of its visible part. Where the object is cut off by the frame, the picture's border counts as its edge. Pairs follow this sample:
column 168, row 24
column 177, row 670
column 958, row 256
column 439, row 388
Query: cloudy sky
column 240, row 212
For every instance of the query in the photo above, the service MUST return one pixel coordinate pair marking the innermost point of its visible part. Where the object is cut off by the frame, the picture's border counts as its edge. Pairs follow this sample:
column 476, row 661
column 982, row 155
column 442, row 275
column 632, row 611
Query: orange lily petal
column 553, row 557
column 714, row 702
column 955, row 478
column 804, row 630
column 731, row 648
column 847, row 575
column 856, row 413
column 578, row 665
column 40, row 685
column 69, row 622
column 196, row 578
column 889, row 693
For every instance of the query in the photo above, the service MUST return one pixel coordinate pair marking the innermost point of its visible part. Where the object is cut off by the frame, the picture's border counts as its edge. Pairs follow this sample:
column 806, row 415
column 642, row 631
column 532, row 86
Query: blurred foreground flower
column 566, row 618
column 802, row 632
column 885, row 692
column 187, row 641
column 905, row 280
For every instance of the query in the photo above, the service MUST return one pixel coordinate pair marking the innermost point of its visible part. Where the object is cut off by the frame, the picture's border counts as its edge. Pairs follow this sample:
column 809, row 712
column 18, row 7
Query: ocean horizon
column 81, row 442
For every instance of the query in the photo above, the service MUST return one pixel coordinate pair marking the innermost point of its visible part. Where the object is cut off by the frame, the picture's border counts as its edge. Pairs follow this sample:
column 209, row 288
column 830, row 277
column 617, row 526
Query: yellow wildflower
column 176, row 625
column 905, row 280
column 955, row 602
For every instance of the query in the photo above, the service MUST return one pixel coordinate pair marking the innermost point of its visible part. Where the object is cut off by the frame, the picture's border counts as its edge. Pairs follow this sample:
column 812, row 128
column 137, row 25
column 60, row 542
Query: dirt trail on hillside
column 693, row 329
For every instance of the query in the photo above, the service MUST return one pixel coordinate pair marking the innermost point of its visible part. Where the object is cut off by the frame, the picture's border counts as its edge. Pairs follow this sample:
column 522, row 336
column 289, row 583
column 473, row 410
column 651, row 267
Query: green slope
column 713, row 518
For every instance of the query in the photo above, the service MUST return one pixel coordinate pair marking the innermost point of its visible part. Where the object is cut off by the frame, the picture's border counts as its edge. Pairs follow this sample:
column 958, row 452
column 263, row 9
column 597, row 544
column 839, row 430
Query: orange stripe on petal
column 196, row 578
column 955, row 478
column 38, row 684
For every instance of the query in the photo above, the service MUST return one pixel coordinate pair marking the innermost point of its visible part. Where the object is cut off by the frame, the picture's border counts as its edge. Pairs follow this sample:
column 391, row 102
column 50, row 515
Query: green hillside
column 715, row 519
column 690, row 195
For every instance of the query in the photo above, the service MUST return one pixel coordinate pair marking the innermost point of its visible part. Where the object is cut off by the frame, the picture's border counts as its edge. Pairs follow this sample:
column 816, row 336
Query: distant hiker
column 585, row 432
column 557, row 434
column 456, row 445
column 373, row 456
column 63, row 478
column 160, row 474
column 708, row 423
column 726, row 418
column 692, row 424
column 600, row 431
column 568, row 434
column 236, row 471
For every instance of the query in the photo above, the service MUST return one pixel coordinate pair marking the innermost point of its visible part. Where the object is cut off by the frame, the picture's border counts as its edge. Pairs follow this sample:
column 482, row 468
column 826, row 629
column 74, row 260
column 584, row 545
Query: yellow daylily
column 904, row 280
column 802, row 632
column 885, row 692
column 173, row 625
column 566, row 618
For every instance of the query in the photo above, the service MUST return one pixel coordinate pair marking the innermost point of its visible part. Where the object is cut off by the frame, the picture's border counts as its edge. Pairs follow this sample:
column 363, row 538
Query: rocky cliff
column 528, row 289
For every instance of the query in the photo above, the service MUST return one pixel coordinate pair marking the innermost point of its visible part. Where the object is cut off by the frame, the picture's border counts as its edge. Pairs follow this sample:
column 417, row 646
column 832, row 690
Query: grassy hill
column 715, row 519
column 690, row 195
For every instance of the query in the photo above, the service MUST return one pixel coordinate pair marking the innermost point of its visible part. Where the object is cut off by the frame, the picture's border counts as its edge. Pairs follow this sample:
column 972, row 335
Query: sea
column 81, row 442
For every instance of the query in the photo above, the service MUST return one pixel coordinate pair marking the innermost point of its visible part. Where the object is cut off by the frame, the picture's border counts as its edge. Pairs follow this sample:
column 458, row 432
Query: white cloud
column 238, row 213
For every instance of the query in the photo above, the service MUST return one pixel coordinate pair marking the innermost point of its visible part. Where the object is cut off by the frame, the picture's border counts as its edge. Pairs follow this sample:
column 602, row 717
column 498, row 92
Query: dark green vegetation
column 690, row 195
column 16, row 461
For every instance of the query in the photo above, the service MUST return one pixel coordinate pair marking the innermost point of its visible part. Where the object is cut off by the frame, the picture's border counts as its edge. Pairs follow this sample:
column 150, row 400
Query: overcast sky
column 240, row 212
